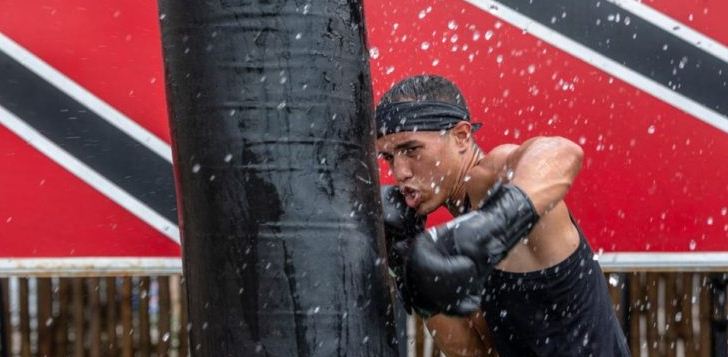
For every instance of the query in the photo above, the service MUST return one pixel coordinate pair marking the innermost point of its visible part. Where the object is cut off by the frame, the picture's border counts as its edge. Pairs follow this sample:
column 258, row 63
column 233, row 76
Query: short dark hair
column 424, row 87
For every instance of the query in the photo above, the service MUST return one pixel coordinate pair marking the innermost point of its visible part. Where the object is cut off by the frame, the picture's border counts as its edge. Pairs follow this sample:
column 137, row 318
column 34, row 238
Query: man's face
column 425, row 165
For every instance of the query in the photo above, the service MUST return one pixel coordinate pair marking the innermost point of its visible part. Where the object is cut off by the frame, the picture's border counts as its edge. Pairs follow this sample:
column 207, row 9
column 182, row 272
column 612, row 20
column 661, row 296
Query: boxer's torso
column 548, row 297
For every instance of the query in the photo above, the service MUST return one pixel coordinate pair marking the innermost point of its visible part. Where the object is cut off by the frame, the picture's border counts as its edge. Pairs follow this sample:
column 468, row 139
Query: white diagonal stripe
column 86, row 98
column 604, row 63
column 675, row 27
column 88, row 175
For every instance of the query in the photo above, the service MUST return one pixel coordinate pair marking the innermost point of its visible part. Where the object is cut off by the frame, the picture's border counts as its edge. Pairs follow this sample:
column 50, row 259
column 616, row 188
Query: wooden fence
column 664, row 314
column 112, row 316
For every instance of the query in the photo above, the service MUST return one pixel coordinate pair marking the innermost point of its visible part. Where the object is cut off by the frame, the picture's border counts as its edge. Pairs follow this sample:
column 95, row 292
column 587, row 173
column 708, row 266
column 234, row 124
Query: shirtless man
column 512, row 267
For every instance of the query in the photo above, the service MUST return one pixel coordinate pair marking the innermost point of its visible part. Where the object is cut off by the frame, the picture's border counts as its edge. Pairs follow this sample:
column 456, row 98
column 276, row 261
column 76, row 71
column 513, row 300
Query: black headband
column 419, row 116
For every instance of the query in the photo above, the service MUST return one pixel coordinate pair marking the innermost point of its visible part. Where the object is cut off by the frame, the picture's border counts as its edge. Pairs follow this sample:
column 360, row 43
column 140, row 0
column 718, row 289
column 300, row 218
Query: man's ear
column 461, row 133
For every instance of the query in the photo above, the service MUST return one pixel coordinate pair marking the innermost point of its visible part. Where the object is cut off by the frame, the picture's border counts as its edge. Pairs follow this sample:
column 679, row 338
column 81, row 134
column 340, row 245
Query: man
column 513, row 256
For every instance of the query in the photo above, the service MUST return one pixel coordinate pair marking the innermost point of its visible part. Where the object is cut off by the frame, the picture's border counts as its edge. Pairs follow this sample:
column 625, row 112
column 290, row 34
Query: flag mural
column 87, row 184
column 85, row 139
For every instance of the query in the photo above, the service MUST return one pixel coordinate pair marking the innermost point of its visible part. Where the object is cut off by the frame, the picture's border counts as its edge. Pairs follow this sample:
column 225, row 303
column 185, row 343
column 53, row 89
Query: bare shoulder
column 498, row 156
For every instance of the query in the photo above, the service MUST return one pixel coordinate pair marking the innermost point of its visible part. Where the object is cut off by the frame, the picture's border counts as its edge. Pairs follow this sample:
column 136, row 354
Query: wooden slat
column 635, row 307
column 78, row 317
column 686, row 307
column 653, row 337
column 44, row 301
column 419, row 337
column 718, row 312
column 93, row 289
column 112, row 304
column 144, row 349
column 60, row 327
column 705, row 314
column 165, row 307
column 5, row 311
column 671, row 302
column 127, row 340
column 24, row 318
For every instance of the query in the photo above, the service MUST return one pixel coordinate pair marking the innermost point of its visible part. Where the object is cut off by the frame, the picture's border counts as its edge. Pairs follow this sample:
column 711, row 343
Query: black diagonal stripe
column 82, row 133
column 637, row 44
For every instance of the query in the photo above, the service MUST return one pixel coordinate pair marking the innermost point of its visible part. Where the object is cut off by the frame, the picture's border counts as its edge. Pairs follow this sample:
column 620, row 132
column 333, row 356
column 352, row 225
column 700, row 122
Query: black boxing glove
column 437, row 280
column 401, row 225
column 447, row 266
column 487, row 234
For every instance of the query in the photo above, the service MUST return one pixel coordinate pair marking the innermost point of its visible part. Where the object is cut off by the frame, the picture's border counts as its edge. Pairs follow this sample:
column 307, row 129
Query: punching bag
column 273, row 139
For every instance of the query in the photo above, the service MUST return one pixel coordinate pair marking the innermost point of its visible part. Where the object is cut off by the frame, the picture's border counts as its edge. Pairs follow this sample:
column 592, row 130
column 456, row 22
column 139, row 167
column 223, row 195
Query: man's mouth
column 412, row 197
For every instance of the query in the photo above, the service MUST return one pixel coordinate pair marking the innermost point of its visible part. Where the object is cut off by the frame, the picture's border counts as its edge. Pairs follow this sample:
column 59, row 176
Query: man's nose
column 401, row 170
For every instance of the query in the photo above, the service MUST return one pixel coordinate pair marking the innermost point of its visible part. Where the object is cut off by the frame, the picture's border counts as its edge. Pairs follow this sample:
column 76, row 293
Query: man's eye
column 410, row 151
column 386, row 157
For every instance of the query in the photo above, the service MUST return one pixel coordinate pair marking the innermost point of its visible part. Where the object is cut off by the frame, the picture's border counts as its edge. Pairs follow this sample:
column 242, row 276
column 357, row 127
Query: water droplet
column 651, row 129
column 165, row 337
column 503, row 313
column 389, row 70
column 724, row 211
column 582, row 140
column 422, row 14
column 374, row 53
column 306, row 8
column 49, row 322
column 531, row 68
column 228, row 157
column 613, row 280
column 365, row 339
column 488, row 35
column 298, row 36
column 693, row 244
column 499, row 59
column 196, row 168
column 425, row 45
column 452, row 25
column 435, row 62
column 709, row 221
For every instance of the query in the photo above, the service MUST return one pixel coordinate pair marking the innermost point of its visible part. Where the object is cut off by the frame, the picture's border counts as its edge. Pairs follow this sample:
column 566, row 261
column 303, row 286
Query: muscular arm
column 543, row 167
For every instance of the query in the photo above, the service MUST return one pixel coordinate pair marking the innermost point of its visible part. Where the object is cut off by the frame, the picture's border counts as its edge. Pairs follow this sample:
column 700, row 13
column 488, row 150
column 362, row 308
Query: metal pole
column 270, row 110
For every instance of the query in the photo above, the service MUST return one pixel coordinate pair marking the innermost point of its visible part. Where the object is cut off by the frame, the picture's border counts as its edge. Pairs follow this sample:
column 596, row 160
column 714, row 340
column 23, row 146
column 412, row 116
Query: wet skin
column 435, row 169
